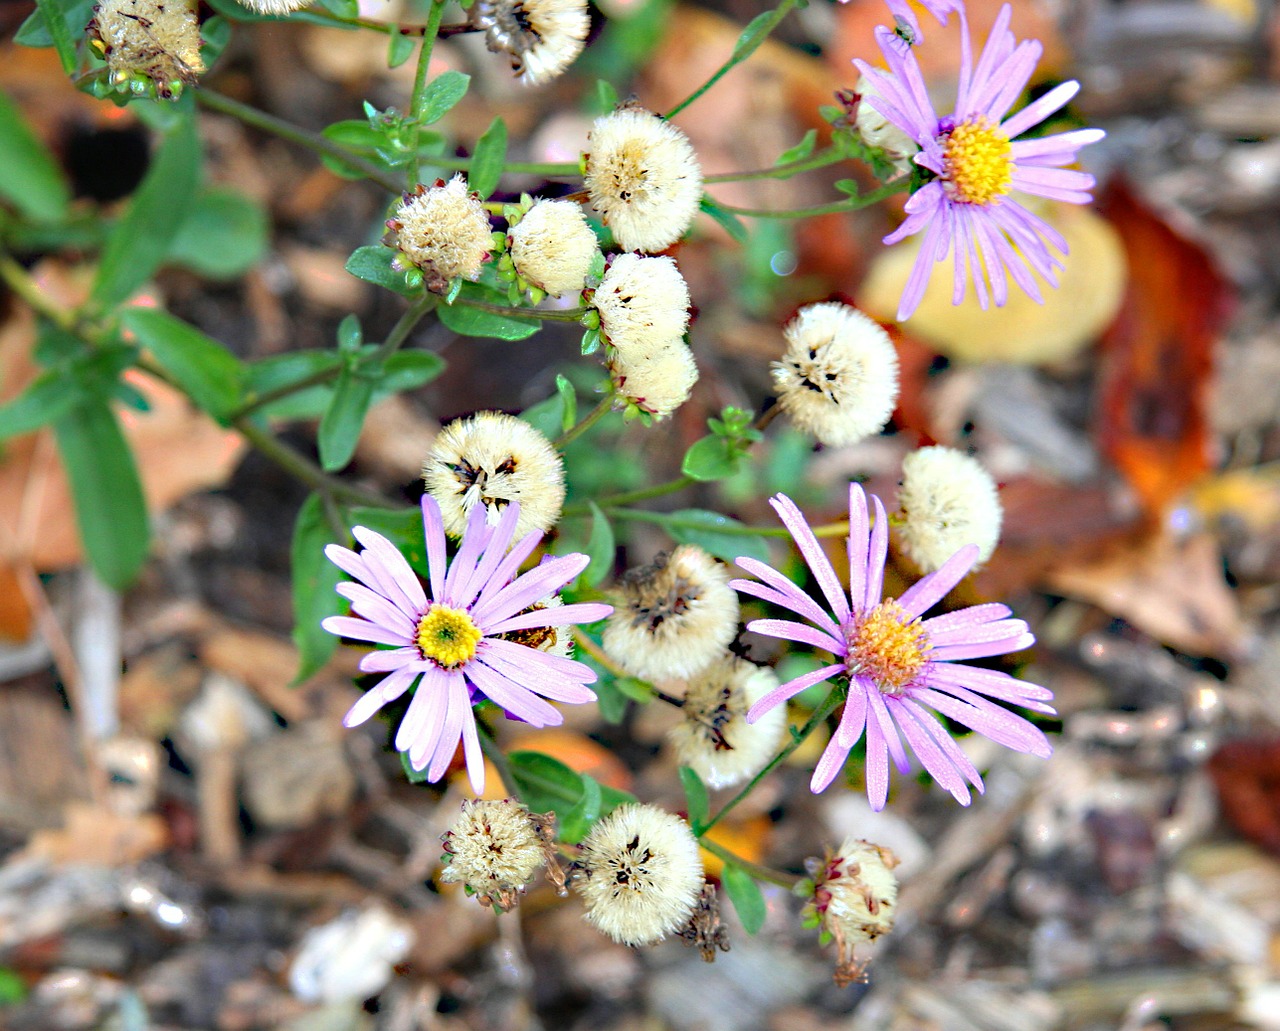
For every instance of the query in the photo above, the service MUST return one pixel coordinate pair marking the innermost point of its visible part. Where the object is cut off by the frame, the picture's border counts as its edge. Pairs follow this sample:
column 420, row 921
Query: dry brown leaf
column 96, row 836
column 1171, row 588
column 1087, row 298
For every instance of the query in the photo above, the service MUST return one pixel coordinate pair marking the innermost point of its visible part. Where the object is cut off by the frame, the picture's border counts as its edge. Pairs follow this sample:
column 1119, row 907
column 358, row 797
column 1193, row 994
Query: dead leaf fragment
column 97, row 836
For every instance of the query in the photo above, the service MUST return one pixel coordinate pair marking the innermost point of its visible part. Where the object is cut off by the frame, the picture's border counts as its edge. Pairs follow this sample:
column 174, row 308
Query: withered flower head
column 542, row 37
column 152, row 42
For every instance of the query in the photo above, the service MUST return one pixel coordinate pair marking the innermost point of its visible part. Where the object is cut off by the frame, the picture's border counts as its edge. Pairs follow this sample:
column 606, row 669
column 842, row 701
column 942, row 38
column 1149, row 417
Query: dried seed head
column 838, row 378
column 543, row 37
column 673, row 618
column 714, row 736
column 494, row 848
column 854, row 900
column 947, row 500
column 877, row 131
column 643, row 304
column 657, row 381
column 443, row 231
column 277, row 7
column 704, row 929
column 640, row 874
column 553, row 247
column 493, row 459
column 155, row 40
column 643, row 178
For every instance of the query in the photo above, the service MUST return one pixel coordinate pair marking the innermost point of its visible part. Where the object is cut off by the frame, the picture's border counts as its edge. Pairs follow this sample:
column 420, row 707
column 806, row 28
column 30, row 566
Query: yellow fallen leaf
column 1087, row 299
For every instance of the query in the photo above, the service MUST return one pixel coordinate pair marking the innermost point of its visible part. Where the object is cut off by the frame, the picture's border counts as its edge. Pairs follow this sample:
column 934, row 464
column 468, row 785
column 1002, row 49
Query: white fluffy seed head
column 277, row 7
column 542, row 37
column 643, row 304
column 494, row 848
column 838, row 378
column 657, row 381
column 493, row 459
column 442, row 230
column 877, row 131
column 641, row 874
column 856, row 894
column 947, row 500
column 643, row 177
column 157, row 40
column 673, row 618
column 553, row 247
column 713, row 735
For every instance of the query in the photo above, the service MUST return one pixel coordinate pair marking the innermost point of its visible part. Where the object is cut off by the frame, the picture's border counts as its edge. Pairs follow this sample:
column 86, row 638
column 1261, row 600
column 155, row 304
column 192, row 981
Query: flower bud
column 443, row 231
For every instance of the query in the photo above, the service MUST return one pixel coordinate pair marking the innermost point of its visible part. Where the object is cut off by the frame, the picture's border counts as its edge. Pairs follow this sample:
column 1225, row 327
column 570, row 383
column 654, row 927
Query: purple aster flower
column 978, row 163
column 899, row 665
column 462, row 640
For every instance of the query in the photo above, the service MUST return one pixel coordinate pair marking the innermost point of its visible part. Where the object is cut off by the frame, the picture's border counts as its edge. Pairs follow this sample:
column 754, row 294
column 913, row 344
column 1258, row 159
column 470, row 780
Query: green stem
column 544, row 314
column 550, row 169
column 632, row 496
column 760, row 873
column 404, row 326
column 834, row 208
column 584, row 424
column 671, row 520
column 417, row 103
column 313, row 141
column 740, row 54
column 495, row 755
column 821, row 159
column 302, row 468
column 17, row 279
column 797, row 738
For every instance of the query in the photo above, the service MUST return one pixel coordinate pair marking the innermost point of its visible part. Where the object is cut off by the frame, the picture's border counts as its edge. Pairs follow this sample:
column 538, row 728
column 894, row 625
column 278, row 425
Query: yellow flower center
column 889, row 646
column 978, row 166
column 447, row 636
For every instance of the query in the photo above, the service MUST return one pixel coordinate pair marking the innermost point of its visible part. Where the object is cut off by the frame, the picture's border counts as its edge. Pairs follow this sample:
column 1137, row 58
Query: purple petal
column 929, row 590
column 473, row 755
column 788, row 630
column 813, row 554
column 853, row 720
column 475, row 537
column 385, row 662
column 945, row 741
column 457, row 713
column 543, row 579
column 999, row 630
column 369, row 575
column 554, row 615
column 512, row 697
column 991, row 253
column 403, row 588
column 388, row 689
column 1000, row 94
column 790, row 689
column 568, row 669
column 876, row 768
column 943, row 676
column 433, row 532
column 363, row 630
column 877, row 552
column 931, row 756
column 832, row 761
column 1037, row 111
column 994, row 53
column 421, row 724
column 982, row 649
column 1062, row 143
column 991, row 721
column 508, row 567
column 375, row 608
column 857, row 543
column 541, row 678
column 494, row 552
column 876, row 708
column 972, row 615
column 783, row 592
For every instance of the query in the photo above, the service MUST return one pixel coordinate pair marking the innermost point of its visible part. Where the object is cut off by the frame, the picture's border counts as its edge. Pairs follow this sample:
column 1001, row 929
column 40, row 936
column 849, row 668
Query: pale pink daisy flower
column 896, row 662
column 455, row 638
column 907, row 25
column 977, row 163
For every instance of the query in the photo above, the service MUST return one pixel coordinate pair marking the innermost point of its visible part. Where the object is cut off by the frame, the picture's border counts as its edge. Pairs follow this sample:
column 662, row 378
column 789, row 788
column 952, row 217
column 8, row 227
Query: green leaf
column 346, row 9
column 314, row 580
column 340, row 427
column 695, row 793
column 611, row 702
column 402, row 527
column 636, row 689
column 488, row 160
column 547, row 417
column 64, row 39
column 414, row 776
column 711, row 458
column 756, row 32
column 373, row 265
column 29, row 176
column 547, row 784
column 47, row 398
column 577, row 822
column 727, row 219
column 223, row 235
column 201, row 366
column 708, row 536
column 570, row 397
column 13, row 989
column 409, row 370
column 600, row 546
column 267, row 375
column 800, row 151
column 110, row 509
column 441, row 94
column 606, row 97
column 399, row 49
column 142, row 238
column 745, row 895
column 473, row 322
